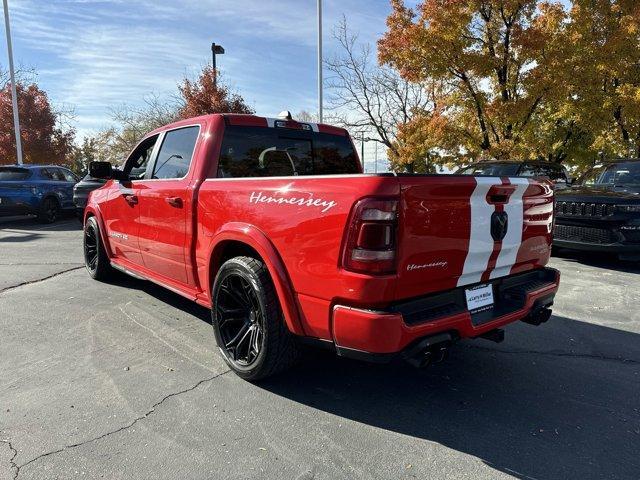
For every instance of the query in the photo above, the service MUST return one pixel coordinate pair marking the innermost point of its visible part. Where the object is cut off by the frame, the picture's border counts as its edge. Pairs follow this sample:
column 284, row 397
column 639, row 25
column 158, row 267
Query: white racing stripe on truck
column 513, row 239
column 480, row 240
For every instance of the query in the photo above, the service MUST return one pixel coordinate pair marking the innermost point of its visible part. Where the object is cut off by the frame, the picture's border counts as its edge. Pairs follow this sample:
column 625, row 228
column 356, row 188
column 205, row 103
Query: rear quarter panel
column 304, row 219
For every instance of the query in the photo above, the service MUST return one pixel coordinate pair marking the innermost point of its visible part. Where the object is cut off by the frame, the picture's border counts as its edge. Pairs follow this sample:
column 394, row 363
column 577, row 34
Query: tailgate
column 463, row 230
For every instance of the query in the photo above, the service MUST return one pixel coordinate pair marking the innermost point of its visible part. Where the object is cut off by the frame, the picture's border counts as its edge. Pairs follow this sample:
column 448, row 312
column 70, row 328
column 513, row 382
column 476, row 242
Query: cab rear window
column 14, row 173
column 271, row 152
column 492, row 169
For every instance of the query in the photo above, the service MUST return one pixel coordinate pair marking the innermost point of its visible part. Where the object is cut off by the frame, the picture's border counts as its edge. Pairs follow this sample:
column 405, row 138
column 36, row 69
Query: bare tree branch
column 369, row 97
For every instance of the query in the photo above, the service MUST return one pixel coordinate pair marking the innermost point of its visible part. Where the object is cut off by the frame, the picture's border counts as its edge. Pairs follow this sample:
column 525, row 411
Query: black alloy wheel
column 90, row 248
column 49, row 211
column 239, row 320
column 247, row 320
column 96, row 259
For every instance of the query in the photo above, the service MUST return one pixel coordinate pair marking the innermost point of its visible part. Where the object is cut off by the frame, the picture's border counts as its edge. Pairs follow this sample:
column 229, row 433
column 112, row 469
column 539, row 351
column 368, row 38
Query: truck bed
column 443, row 230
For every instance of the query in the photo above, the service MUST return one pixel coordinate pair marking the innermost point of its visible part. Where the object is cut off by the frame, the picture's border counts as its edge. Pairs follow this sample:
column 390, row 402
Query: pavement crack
column 14, row 465
column 627, row 361
column 38, row 280
column 123, row 428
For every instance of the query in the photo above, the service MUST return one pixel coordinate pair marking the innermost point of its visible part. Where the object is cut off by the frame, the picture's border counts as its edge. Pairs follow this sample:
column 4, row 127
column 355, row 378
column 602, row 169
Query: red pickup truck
column 272, row 224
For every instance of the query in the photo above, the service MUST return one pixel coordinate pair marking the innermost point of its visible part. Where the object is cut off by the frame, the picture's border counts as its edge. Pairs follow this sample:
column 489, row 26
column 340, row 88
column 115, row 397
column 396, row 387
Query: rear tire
column 247, row 321
column 95, row 256
column 49, row 210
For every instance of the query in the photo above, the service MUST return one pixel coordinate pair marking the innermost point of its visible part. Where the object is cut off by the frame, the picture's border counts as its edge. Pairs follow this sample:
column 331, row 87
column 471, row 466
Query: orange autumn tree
column 43, row 140
column 209, row 94
column 603, row 72
column 498, row 59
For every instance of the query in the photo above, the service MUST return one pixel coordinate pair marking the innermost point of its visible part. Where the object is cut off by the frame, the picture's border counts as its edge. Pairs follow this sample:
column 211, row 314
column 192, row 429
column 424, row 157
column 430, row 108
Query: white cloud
column 95, row 54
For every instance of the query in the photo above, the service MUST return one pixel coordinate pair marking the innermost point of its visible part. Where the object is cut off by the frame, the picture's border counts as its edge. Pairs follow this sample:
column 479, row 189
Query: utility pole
column 320, row 116
column 14, row 94
column 376, row 158
column 215, row 50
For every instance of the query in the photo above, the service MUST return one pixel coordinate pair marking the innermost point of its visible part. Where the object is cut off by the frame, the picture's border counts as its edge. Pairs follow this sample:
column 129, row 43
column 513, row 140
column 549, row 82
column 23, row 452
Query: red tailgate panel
column 434, row 233
column 445, row 230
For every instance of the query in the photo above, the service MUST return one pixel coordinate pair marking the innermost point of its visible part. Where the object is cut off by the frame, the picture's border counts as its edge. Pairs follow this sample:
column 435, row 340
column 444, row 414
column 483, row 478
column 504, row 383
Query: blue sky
column 93, row 55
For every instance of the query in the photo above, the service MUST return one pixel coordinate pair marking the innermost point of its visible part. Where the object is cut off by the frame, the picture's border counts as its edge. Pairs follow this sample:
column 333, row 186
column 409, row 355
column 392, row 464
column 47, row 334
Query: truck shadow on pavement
column 542, row 413
column 558, row 401
column 163, row 295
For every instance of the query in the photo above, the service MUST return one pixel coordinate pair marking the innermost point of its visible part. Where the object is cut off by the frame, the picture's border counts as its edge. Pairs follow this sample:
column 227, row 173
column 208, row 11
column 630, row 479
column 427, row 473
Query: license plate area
column 479, row 298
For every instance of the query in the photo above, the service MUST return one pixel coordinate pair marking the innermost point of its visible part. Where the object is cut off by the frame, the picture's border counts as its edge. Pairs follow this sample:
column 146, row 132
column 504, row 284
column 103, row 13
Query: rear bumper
column 379, row 335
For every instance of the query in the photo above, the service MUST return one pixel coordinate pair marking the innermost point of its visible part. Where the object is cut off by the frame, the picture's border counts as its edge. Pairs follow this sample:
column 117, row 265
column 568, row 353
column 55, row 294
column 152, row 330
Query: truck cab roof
column 247, row 120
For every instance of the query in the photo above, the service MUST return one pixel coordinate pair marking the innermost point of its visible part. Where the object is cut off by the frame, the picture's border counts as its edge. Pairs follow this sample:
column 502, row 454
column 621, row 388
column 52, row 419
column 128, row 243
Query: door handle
column 130, row 198
column 174, row 201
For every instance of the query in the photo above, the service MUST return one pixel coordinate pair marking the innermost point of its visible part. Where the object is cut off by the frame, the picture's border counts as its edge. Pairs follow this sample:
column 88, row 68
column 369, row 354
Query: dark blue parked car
column 42, row 190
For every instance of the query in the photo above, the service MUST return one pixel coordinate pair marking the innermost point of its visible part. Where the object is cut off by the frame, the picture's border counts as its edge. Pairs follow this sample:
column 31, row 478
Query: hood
column 585, row 193
column 92, row 181
column 88, row 184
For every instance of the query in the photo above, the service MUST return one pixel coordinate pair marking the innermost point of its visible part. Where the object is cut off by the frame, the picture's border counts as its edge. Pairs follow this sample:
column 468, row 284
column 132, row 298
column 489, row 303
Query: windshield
column 553, row 172
column 14, row 173
column 621, row 174
column 492, row 169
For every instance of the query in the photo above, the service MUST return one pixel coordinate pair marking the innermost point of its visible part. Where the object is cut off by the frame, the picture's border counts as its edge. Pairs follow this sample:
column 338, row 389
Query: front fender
column 94, row 211
column 256, row 239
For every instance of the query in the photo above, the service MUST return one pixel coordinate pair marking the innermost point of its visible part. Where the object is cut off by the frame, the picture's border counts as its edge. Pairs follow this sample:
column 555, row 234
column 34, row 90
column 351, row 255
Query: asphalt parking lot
column 123, row 381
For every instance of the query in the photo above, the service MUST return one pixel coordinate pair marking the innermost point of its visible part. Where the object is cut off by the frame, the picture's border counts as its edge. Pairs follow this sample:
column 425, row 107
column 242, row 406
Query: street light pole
column 376, row 159
column 215, row 50
column 14, row 95
column 320, row 115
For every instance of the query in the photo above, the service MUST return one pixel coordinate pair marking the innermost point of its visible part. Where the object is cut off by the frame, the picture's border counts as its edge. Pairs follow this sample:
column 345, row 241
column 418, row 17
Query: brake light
column 292, row 124
column 372, row 239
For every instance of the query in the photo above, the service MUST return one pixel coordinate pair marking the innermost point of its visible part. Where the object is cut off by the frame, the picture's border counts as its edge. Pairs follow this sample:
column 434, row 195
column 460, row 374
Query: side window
column 53, row 173
column 68, row 176
column 136, row 165
column 333, row 154
column 47, row 174
column 175, row 153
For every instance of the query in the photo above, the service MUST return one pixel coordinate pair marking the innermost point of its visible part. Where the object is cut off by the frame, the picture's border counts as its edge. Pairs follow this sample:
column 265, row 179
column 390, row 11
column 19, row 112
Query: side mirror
column 102, row 170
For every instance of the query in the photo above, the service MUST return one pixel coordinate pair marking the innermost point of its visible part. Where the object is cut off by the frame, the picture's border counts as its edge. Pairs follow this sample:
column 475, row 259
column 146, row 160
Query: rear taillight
column 372, row 239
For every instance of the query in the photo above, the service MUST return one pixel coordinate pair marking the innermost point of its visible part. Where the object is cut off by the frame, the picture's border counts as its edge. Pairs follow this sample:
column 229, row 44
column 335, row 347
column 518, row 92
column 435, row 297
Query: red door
column 121, row 212
column 165, row 201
